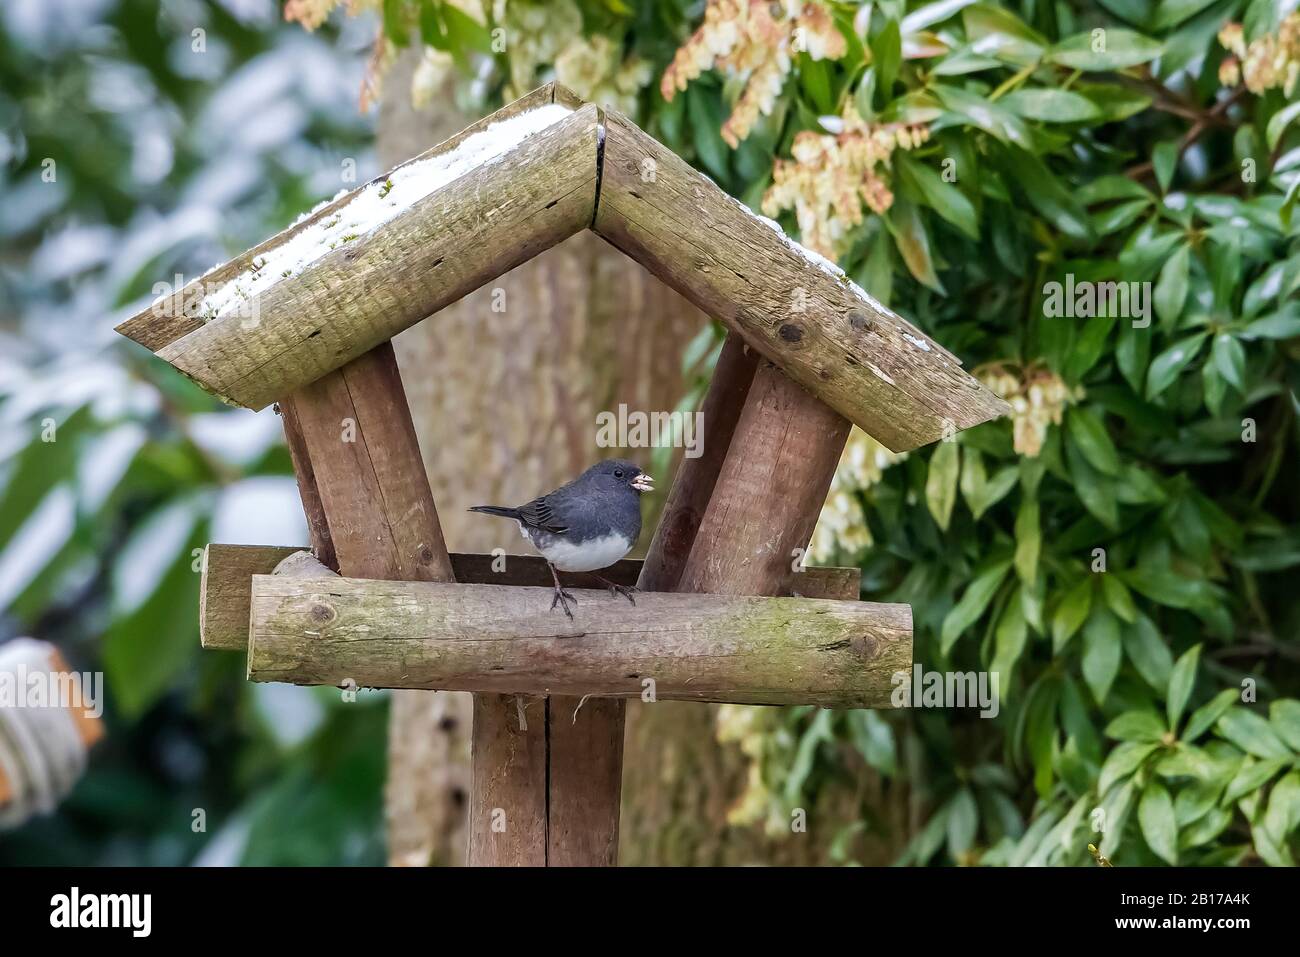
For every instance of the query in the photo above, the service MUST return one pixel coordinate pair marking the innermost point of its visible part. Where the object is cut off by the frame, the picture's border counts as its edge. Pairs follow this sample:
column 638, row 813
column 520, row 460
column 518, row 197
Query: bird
column 584, row 526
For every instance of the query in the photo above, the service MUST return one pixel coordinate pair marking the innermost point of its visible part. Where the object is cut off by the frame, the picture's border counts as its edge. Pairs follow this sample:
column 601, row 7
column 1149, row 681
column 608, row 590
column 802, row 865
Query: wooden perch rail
column 594, row 169
column 225, row 593
column 487, row 638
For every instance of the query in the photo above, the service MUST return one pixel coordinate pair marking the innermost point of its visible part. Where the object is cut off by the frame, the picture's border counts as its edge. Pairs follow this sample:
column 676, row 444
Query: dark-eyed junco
column 586, row 525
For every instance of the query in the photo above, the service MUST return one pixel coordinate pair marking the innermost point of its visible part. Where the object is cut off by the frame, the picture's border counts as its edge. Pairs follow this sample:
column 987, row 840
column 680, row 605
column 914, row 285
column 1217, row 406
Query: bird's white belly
column 590, row 556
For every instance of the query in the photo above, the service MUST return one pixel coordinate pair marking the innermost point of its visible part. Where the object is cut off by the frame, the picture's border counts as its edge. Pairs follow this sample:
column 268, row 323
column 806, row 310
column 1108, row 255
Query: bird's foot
column 562, row 598
column 627, row 591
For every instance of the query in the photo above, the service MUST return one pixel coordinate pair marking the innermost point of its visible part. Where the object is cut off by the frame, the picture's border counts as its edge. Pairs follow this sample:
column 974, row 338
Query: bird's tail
column 499, row 510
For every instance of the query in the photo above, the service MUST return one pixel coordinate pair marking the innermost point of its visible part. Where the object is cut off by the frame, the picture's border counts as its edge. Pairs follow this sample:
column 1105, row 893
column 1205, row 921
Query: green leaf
column 974, row 600
column 874, row 738
column 1164, row 161
column 1147, row 650
column 941, row 484
column 1136, row 726
column 1009, row 639
column 1181, row 681
column 1117, row 103
column 1252, row 776
column 395, row 24
column 1122, row 761
column 1252, row 734
column 1105, row 49
column 1104, row 189
column 1092, row 487
column 1089, row 433
column 913, row 242
column 864, row 95
column 931, row 14
column 963, row 819
column 1283, row 814
column 1046, row 194
column 1119, row 599
column 1170, row 13
column 886, row 57
column 1089, row 346
column 703, row 110
column 983, row 496
column 1167, row 366
column 1156, row 815
column 1166, row 587
column 1101, row 652
column 1071, row 613
column 1051, row 105
column 1204, row 717
column 1280, row 121
column 1171, row 289
column 991, row 117
column 1284, row 716
column 1283, row 324
column 464, row 32
column 945, row 198
column 1028, row 540
column 999, row 32
column 1230, row 360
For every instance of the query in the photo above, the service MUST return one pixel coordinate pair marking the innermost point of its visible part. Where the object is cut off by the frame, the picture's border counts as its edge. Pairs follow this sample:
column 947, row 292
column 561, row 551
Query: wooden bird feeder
column 305, row 319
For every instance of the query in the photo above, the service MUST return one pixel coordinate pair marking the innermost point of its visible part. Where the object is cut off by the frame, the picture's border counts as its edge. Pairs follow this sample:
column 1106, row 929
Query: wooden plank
column 486, row 638
column 586, row 779
column 168, row 320
column 462, row 235
column 368, row 473
column 225, row 593
column 873, row 367
column 693, row 485
column 508, row 760
column 770, row 491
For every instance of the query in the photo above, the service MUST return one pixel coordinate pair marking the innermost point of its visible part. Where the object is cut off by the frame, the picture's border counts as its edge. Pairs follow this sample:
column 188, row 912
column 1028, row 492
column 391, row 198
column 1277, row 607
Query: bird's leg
column 562, row 597
column 616, row 589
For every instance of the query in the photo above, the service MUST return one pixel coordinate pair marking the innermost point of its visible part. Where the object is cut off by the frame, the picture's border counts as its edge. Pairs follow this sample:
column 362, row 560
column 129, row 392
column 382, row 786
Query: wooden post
column 370, row 512
column 770, row 491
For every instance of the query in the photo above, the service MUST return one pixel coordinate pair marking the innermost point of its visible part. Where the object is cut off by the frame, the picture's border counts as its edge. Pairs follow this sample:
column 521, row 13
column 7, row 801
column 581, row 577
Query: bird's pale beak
column 643, row 482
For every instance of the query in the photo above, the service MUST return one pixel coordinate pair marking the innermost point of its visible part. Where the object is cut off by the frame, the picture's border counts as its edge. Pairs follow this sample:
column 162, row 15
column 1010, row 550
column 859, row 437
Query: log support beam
column 503, row 640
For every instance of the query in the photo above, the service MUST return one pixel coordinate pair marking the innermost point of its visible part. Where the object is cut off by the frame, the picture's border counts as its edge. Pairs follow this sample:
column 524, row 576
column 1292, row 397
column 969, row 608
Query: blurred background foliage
column 1122, row 550
column 142, row 139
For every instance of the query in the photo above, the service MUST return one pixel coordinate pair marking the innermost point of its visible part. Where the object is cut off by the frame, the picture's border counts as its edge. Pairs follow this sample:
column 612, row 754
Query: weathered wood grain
column 769, row 493
column 225, row 592
column 485, row 638
column 873, row 367
column 444, row 246
column 509, row 755
column 693, row 485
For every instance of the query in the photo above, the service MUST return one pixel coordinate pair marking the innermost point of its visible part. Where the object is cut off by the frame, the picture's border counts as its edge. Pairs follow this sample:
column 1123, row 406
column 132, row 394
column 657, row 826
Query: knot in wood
column 859, row 320
column 791, row 332
column 322, row 614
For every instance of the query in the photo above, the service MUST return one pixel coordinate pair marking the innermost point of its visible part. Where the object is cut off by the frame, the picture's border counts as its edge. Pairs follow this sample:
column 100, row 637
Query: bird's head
column 613, row 473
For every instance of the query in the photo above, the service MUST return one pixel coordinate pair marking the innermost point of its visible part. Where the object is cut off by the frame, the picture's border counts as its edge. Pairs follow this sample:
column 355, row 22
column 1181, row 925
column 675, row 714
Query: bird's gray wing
column 539, row 513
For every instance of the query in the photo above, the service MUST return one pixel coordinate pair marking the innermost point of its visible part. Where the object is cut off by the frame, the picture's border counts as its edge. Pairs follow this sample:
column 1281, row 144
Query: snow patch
column 375, row 204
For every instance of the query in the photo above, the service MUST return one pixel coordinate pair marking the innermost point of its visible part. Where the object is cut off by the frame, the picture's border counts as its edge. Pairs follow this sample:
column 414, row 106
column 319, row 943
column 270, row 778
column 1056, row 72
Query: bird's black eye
column 618, row 473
